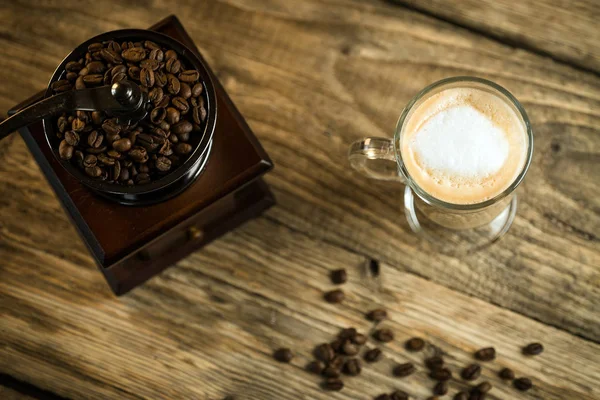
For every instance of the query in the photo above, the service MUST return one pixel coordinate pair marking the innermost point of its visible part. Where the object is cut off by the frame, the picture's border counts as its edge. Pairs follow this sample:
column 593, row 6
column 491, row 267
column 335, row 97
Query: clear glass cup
column 452, row 228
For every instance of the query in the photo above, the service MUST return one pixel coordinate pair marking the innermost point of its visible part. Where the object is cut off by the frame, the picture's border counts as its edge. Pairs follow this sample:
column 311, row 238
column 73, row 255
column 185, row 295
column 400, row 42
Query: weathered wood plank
column 565, row 30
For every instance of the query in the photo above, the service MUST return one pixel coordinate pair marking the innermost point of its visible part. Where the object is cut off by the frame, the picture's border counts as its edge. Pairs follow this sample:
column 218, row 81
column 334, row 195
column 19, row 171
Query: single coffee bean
column 173, row 84
column 94, row 47
column 173, row 115
column 93, row 150
column 65, row 150
column 197, row 89
column 197, row 116
column 122, row 145
column 191, row 75
column 181, row 104
column 139, row 154
column 62, row 124
column 62, row 85
column 384, row 396
column 108, row 79
column 71, row 76
column 173, row 139
column 347, row 333
column 373, row 355
column 399, row 395
column 484, row 387
column 334, row 296
column 98, row 143
column 114, row 46
column 384, row 335
column 151, row 45
column 352, row 367
column 77, row 125
column 440, row 374
column 333, row 384
column 377, row 315
column 170, row 54
column 111, row 127
column 93, row 79
column 147, row 77
column 73, row 66
column 134, row 73
column 94, row 171
column 78, row 157
column 440, row 388
column 118, row 69
column 83, row 115
column 84, row 71
column 185, row 91
column 533, row 349
column 415, row 344
column 114, row 154
column 324, row 352
column 72, row 138
column 79, row 84
column 116, row 172
column 283, row 355
column 316, row 367
column 522, row 384
column 142, row 179
column 476, row 395
column 89, row 160
column 156, row 54
column 359, row 339
column 150, row 64
column 331, row 372
column 338, row 276
column 403, row 370
column 110, row 56
column 160, row 78
column 166, row 149
column 486, row 354
column 163, row 164
column 157, row 115
column 105, row 160
column 173, row 65
column 471, row 372
column 434, row 362
column 155, row 95
column 336, row 362
column 96, row 67
column 507, row 374
column 135, row 54
column 461, row 396
column 164, row 101
column 349, row 348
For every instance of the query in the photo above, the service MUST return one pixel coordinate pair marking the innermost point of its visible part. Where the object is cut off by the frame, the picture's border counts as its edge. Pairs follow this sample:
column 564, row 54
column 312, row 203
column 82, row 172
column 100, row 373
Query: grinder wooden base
column 132, row 243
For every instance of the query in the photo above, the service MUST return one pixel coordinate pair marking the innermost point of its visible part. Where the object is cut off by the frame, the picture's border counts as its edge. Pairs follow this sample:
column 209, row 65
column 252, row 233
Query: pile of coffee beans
column 341, row 357
column 140, row 153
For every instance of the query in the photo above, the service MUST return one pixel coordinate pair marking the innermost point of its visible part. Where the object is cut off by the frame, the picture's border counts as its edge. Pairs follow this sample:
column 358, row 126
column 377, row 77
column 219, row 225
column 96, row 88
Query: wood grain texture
column 564, row 30
column 310, row 78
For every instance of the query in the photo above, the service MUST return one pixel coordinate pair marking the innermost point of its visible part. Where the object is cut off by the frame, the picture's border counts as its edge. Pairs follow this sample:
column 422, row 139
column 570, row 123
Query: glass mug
column 452, row 228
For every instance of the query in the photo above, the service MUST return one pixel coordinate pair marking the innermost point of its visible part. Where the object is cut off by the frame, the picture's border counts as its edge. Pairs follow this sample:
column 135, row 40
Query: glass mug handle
column 375, row 157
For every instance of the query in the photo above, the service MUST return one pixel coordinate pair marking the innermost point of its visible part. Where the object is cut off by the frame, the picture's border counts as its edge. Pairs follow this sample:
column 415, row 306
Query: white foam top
column 461, row 142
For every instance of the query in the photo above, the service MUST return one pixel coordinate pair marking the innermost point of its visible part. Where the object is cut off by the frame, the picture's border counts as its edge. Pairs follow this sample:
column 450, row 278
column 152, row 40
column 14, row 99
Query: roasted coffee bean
column 471, row 372
column 110, row 56
column 111, row 127
column 139, row 154
column 415, row 344
column 159, row 132
column 185, row 91
column 106, row 160
column 92, row 139
column 96, row 67
column 486, row 354
column 316, row 367
column 197, row 89
column 79, row 84
column 377, row 315
column 347, row 333
column 173, row 84
column 197, row 117
column 166, row 149
column 173, row 139
column 173, row 115
column 533, row 349
column 283, row 355
column 72, row 138
column 84, row 71
column 150, row 64
column 331, row 372
column 163, row 164
column 181, row 104
column 324, row 352
column 77, row 125
column 147, row 77
column 107, row 80
column 61, row 86
column 122, row 145
column 116, row 171
column 83, row 115
column 184, row 137
column 155, row 95
column 157, row 115
column 352, row 367
column 93, row 79
column 440, row 374
column 461, row 396
column 134, row 54
column 134, row 73
column 62, row 124
column 71, row 76
column 349, row 348
column 359, row 339
column 90, row 160
column 96, row 150
column 434, row 362
column 440, row 388
column 73, row 66
column 114, row 154
column 338, row 276
column 506, row 374
column 522, row 384
column 160, row 78
column 384, row 335
column 78, row 157
column 484, row 387
column 118, row 69
column 334, row 296
column 94, row 171
column 151, row 45
column 336, row 345
column 114, row 46
column 372, row 355
column 142, row 179
column 476, row 395
column 164, row 102
column 333, row 384
column 384, row 396
column 145, row 140
column 170, row 54
column 190, row 75
column 173, row 65
column 121, row 76
column 336, row 362
column 92, row 48
column 65, row 150
column 156, row 54
column 402, row 370
column 399, row 395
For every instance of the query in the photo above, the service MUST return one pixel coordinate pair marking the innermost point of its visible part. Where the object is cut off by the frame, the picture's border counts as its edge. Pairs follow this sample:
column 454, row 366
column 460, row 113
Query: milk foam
column 464, row 145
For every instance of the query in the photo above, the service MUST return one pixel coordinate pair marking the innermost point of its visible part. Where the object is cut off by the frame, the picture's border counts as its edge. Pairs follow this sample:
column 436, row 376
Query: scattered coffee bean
column 65, row 150
column 352, row 367
column 334, row 384
column 347, row 333
column 484, row 387
column 359, row 339
column 372, row 355
column 507, row 374
column 486, row 354
column 402, row 370
column 377, row 315
column 461, row 396
column 384, row 396
column 336, row 345
column 324, row 352
column 533, row 349
column 334, row 296
column 522, row 384
column 399, row 395
column 440, row 388
column 476, row 395
column 471, row 372
column 331, row 372
column 283, row 355
column 415, row 344
column 339, row 276
column 349, row 348
column 434, row 362
column 336, row 362
column 316, row 367
column 440, row 374
column 384, row 335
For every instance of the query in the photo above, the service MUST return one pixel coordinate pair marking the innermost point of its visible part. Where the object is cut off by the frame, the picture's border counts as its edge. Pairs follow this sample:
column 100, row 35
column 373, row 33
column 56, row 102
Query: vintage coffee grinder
column 134, row 232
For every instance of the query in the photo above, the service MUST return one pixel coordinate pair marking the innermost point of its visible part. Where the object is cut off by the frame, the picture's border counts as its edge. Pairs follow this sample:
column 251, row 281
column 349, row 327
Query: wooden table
column 311, row 77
